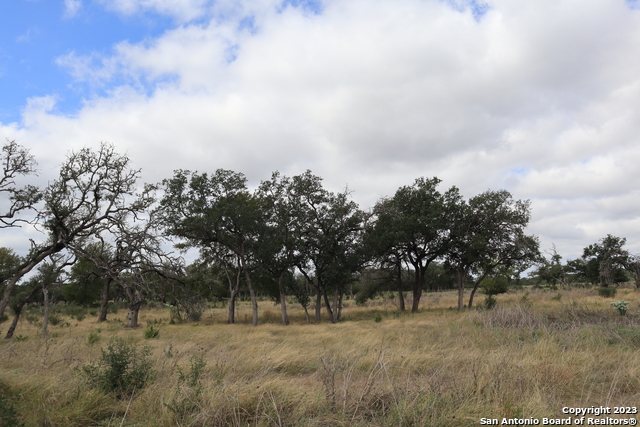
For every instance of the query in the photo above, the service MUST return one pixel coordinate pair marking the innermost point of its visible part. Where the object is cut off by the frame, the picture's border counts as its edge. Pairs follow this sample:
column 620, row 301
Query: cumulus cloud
column 539, row 98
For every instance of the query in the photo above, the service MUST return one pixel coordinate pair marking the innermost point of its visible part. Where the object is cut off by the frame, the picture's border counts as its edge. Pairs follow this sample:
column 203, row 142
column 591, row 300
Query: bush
column 621, row 307
column 490, row 302
column 121, row 369
column 8, row 414
column 378, row 318
column 54, row 319
column 151, row 332
column 607, row 292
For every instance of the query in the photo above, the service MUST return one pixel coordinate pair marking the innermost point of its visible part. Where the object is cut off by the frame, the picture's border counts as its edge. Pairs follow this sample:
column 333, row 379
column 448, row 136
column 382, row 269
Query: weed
column 151, row 332
column 557, row 297
column 378, row 318
column 121, row 369
column 187, row 397
column 21, row 338
column 94, row 337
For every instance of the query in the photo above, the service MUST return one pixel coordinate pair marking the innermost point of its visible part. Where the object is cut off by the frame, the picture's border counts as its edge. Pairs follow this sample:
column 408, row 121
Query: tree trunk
column 135, row 301
column 104, row 300
column 231, row 317
column 306, row 313
column 475, row 288
column 339, row 312
column 400, row 287
column 45, row 320
column 12, row 328
column 418, row 285
column 252, row 291
column 318, row 304
column 283, row 300
column 328, row 306
column 462, row 276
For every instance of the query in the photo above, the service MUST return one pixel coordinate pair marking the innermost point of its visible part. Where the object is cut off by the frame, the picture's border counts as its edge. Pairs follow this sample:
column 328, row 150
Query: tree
column 91, row 192
column 610, row 258
column 328, row 228
column 276, row 252
column 16, row 161
column 136, row 257
column 551, row 271
column 633, row 268
column 49, row 273
column 417, row 218
column 487, row 235
column 212, row 212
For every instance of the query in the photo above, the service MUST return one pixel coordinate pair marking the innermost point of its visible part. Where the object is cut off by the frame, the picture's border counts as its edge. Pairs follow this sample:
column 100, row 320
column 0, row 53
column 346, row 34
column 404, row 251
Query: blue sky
column 366, row 93
column 38, row 32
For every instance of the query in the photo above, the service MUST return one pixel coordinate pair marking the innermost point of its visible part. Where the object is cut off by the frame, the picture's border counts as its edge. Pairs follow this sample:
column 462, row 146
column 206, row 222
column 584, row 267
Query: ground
column 537, row 352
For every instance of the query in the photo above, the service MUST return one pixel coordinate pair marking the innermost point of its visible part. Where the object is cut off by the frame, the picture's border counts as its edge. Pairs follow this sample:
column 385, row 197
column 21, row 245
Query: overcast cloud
column 540, row 98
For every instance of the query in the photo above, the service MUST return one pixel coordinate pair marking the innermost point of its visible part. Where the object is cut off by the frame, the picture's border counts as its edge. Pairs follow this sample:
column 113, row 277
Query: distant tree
column 49, row 274
column 136, row 258
column 9, row 263
column 610, row 258
column 329, row 228
column 86, row 281
column 212, row 212
column 632, row 266
column 15, row 161
column 92, row 191
column 417, row 218
column 551, row 270
column 488, row 235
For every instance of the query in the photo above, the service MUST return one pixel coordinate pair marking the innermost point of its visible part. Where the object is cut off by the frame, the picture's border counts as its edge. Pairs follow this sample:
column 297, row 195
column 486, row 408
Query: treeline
column 290, row 237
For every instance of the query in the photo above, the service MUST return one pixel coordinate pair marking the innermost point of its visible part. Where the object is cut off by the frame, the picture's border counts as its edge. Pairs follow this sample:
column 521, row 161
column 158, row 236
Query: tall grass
column 528, row 357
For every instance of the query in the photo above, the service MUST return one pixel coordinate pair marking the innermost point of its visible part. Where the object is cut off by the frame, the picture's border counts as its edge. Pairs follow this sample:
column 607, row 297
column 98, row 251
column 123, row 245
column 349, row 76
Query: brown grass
column 532, row 355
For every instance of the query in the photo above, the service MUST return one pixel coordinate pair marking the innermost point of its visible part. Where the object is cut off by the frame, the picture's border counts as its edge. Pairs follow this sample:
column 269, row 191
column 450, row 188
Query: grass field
column 535, row 353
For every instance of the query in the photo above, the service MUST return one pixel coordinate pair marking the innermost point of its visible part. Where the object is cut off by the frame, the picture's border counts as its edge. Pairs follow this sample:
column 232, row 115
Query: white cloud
column 184, row 10
column 72, row 7
column 539, row 98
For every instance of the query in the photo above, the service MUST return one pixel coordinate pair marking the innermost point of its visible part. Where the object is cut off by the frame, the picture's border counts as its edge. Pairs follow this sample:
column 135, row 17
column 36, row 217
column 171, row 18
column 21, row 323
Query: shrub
column 151, row 332
column 490, row 302
column 8, row 414
column 94, row 337
column 121, row 369
column 621, row 307
column 378, row 318
column 54, row 319
column 607, row 292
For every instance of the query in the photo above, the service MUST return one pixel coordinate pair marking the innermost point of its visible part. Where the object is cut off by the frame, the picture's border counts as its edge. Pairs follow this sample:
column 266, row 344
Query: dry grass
column 532, row 355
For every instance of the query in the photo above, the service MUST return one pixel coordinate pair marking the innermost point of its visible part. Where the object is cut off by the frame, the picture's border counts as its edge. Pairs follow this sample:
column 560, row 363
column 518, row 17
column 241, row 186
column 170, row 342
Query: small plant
column 490, row 302
column 621, row 307
column 121, row 369
column 151, row 332
column 557, row 297
column 94, row 337
column 607, row 292
column 54, row 319
column 21, row 338
column 378, row 318
column 189, row 389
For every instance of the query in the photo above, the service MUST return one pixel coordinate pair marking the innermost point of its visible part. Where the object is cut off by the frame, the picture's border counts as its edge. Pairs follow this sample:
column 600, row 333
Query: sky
column 539, row 98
